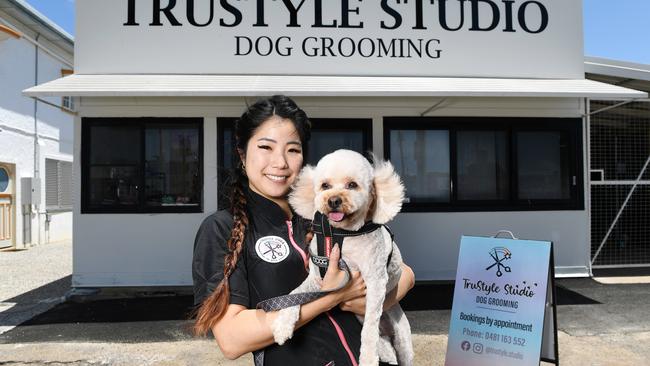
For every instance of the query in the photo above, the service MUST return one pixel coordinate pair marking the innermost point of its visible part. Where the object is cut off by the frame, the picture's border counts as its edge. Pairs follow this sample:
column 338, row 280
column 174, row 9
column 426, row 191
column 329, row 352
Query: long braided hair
column 214, row 306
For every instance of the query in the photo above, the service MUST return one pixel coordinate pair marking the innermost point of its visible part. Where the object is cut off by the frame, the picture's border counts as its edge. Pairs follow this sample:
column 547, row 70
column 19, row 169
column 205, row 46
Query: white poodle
column 350, row 192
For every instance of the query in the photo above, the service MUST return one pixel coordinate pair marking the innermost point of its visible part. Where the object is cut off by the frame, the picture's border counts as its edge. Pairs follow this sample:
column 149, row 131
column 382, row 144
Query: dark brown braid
column 214, row 306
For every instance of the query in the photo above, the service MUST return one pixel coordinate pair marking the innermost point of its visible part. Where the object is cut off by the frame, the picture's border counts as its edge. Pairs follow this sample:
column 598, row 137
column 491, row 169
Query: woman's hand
column 406, row 283
column 356, row 305
column 334, row 276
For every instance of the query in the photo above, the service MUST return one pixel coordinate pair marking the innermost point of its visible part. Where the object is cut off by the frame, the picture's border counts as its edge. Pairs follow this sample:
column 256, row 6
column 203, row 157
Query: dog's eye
column 325, row 186
column 352, row 185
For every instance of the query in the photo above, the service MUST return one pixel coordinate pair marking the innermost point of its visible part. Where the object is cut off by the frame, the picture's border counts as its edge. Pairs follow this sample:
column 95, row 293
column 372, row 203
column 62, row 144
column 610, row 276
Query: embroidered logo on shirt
column 272, row 249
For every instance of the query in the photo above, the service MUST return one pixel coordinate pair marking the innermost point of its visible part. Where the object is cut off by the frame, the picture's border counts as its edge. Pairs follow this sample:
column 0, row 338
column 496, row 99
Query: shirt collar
column 261, row 206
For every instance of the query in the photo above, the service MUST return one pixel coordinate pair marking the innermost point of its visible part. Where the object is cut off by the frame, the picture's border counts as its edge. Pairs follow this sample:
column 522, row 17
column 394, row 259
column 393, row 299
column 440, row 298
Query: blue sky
column 616, row 29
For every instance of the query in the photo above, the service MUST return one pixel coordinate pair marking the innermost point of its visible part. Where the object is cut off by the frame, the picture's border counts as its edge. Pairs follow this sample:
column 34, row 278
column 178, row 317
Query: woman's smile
column 277, row 178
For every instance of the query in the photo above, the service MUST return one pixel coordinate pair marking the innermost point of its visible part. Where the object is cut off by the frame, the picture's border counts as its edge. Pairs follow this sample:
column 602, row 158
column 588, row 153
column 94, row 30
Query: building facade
column 485, row 120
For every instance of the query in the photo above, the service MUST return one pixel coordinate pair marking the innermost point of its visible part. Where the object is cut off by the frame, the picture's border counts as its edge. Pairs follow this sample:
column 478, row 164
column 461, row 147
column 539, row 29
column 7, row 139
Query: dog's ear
column 302, row 195
column 389, row 192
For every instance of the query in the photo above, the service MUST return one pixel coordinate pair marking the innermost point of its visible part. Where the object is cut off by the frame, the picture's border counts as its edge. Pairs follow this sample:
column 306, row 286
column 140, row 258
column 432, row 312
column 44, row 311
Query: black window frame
column 512, row 125
column 224, row 123
column 142, row 122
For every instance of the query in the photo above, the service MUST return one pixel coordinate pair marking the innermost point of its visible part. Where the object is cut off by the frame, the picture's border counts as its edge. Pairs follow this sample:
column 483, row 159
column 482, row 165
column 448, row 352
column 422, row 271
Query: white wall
column 55, row 130
column 156, row 249
column 430, row 241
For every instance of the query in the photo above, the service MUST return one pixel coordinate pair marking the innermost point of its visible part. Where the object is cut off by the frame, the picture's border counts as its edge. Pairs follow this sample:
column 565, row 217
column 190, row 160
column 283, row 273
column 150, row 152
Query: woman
column 256, row 251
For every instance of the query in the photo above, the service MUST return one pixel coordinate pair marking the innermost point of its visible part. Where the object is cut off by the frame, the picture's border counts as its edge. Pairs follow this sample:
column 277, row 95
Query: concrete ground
column 599, row 323
column 32, row 281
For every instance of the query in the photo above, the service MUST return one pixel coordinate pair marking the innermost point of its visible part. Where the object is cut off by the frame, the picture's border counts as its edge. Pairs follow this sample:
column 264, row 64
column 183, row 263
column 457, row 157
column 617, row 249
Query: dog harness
column 326, row 235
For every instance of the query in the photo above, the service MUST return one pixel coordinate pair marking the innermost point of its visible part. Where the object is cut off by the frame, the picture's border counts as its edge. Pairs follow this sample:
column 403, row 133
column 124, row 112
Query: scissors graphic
column 273, row 249
column 500, row 254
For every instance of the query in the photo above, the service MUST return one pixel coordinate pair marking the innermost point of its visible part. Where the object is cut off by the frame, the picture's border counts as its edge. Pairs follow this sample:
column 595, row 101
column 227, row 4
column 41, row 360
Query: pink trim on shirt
column 344, row 342
column 293, row 242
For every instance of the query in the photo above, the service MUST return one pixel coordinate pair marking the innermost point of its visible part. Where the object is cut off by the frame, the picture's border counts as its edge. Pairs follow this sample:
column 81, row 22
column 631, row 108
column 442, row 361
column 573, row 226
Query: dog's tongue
column 335, row 216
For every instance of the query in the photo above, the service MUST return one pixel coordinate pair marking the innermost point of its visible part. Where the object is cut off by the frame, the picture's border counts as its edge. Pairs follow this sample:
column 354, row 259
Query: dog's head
column 348, row 190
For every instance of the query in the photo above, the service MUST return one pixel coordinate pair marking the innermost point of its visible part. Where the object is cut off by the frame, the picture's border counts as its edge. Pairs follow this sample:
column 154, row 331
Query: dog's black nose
column 334, row 202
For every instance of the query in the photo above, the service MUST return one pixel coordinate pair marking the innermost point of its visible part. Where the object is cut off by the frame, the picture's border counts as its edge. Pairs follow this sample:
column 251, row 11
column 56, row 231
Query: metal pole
column 587, row 120
column 37, row 149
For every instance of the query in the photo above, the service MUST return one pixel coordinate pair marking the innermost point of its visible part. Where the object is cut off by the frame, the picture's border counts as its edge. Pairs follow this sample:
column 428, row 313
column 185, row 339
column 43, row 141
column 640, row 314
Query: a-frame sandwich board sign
column 504, row 309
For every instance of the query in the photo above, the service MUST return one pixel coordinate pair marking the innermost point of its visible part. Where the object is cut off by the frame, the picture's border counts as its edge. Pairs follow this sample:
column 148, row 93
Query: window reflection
column 482, row 165
column 115, row 165
column 421, row 157
column 543, row 165
column 171, row 166
column 324, row 142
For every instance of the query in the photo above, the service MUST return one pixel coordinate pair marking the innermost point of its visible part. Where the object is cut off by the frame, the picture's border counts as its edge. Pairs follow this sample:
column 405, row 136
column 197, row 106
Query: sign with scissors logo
column 503, row 310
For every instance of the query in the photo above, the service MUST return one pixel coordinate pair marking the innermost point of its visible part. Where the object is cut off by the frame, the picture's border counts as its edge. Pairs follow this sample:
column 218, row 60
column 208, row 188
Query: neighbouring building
column 36, row 134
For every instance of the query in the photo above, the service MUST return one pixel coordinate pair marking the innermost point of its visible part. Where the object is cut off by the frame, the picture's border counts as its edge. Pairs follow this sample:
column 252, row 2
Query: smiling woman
column 256, row 251
column 273, row 159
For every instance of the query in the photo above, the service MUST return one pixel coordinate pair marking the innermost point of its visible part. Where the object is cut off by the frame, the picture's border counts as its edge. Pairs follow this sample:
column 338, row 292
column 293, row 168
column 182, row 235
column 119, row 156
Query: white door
column 6, row 207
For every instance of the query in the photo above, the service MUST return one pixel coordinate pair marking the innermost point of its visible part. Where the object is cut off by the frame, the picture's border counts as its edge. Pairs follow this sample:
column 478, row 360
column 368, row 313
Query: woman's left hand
column 356, row 305
column 406, row 282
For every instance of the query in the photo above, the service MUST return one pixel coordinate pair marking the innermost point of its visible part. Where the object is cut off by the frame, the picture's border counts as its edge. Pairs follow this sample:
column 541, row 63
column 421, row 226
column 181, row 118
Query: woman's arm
column 243, row 330
column 405, row 284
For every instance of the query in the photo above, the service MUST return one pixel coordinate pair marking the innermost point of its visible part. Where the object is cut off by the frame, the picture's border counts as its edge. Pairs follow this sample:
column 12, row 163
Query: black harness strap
column 327, row 236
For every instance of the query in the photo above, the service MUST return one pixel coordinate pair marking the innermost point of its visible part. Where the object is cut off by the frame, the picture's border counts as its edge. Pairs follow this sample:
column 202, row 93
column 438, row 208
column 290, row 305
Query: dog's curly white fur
column 350, row 192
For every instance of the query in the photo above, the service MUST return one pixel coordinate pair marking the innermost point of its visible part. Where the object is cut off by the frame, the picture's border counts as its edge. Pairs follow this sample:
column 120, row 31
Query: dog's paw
column 282, row 333
column 386, row 351
column 365, row 360
column 282, row 329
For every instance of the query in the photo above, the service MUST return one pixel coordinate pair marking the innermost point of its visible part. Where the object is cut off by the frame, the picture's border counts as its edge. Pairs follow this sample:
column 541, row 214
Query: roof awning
column 381, row 86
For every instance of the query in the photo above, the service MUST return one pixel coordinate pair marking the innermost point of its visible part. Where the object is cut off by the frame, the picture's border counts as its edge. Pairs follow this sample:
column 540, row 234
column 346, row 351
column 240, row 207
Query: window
column 487, row 164
column 141, row 165
column 327, row 135
column 67, row 103
column 4, row 179
column 58, row 185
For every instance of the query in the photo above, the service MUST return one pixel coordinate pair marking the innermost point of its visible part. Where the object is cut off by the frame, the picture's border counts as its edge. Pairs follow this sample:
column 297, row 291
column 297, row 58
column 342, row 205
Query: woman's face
column 273, row 158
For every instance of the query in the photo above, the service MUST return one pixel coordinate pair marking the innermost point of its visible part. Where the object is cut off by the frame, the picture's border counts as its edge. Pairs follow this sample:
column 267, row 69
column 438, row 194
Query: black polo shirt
column 272, row 263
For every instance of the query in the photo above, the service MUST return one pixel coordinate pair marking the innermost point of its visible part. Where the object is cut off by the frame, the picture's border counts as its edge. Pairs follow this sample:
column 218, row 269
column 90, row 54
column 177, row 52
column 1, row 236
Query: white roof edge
column 617, row 68
column 30, row 10
column 256, row 85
